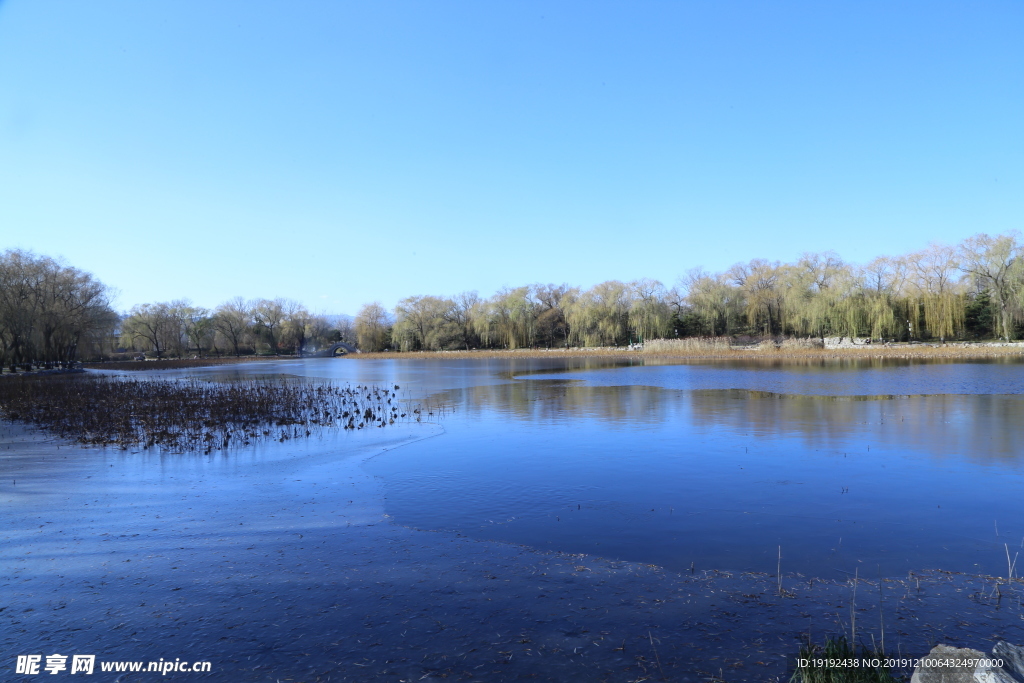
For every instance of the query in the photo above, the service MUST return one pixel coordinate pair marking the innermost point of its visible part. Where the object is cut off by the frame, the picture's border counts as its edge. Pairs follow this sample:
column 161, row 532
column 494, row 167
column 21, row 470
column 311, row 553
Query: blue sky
column 338, row 153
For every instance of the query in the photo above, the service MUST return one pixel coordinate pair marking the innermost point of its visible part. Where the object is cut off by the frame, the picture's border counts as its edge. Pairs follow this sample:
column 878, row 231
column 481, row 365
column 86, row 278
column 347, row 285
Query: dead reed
column 719, row 348
column 571, row 352
column 689, row 345
column 192, row 415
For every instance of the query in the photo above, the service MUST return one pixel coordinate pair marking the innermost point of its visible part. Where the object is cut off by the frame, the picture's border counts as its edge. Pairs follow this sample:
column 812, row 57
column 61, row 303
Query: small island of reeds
column 191, row 415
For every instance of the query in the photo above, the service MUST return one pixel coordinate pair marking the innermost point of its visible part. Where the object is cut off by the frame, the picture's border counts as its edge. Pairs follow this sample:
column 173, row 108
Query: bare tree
column 296, row 325
column 268, row 315
column 47, row 308
column 373, row 327
column 151, row 324
column 995, row 263
column 233, row 320
column 198, row 325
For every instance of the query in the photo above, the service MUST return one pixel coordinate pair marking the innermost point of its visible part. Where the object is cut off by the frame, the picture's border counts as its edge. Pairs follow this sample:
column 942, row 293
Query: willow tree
column 466, row 308
column 996, row 263
column 600, row 315
column 507, row 319
column 838, row 307
column 759, row 280
column 935, row 278
column 650, row 316
column 821, row 296
column 715, row 301
column 883, row 285
column 551, row 326
column 424, row 322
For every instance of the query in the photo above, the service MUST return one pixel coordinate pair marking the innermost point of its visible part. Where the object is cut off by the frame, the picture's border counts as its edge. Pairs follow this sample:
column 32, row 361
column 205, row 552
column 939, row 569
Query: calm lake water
column 423, row 551
column 870, row 467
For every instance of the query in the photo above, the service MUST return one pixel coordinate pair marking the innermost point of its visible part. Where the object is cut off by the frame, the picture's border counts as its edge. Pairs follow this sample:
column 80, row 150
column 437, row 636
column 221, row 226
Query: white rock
column 948, row 674
column 1012, row 656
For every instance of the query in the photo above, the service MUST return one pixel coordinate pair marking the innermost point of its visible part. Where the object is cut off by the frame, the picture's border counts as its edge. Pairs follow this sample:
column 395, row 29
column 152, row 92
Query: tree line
column 53, row 313
column 236, row 327
column 49, row 311
column 972, row 290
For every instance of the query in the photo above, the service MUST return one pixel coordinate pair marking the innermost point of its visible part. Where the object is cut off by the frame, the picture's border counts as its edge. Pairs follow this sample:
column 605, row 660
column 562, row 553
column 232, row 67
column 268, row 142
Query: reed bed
column 572, row 352
column 721, row 348
column 688, row 348
column 689, row 345
column 192, row 415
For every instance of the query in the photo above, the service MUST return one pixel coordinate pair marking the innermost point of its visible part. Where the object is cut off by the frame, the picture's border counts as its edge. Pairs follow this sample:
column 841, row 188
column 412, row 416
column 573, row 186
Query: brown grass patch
column 715, row 348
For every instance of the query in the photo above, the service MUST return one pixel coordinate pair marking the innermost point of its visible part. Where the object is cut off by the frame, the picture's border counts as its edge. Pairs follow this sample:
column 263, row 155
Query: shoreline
column 924, row 351
column 902, row 351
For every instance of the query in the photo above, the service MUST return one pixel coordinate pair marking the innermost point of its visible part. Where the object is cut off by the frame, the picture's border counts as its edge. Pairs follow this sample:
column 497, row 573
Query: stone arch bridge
column 341, row 349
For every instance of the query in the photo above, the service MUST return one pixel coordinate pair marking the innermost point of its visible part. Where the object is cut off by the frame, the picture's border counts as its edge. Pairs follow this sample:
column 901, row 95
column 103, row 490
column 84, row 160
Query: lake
column 889, row 466
column 546, row 520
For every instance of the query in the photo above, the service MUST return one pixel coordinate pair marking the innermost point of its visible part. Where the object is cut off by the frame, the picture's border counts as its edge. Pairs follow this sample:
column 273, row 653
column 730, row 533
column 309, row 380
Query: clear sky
column 342, row 152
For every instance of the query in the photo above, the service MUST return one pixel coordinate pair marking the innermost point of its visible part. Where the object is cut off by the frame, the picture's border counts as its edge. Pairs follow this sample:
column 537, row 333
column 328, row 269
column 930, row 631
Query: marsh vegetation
column 193, row 415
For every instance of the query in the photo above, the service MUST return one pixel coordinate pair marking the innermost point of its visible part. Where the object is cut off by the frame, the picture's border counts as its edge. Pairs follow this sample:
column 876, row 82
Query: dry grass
column 597, row 352
column 667, row 349
column 800, row 349
column 720, row 348
column 689, row 346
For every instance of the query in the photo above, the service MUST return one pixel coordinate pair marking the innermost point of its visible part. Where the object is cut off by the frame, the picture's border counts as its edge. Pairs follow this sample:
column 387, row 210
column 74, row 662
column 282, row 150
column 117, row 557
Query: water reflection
column 553, row 401
column 626, row 464
column 894, row 464
column 979, row 428
column 982, row 429
column 838, row 378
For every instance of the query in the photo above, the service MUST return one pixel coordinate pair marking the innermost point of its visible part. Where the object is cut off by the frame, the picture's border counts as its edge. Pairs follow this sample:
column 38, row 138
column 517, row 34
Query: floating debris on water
column 193, row 415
